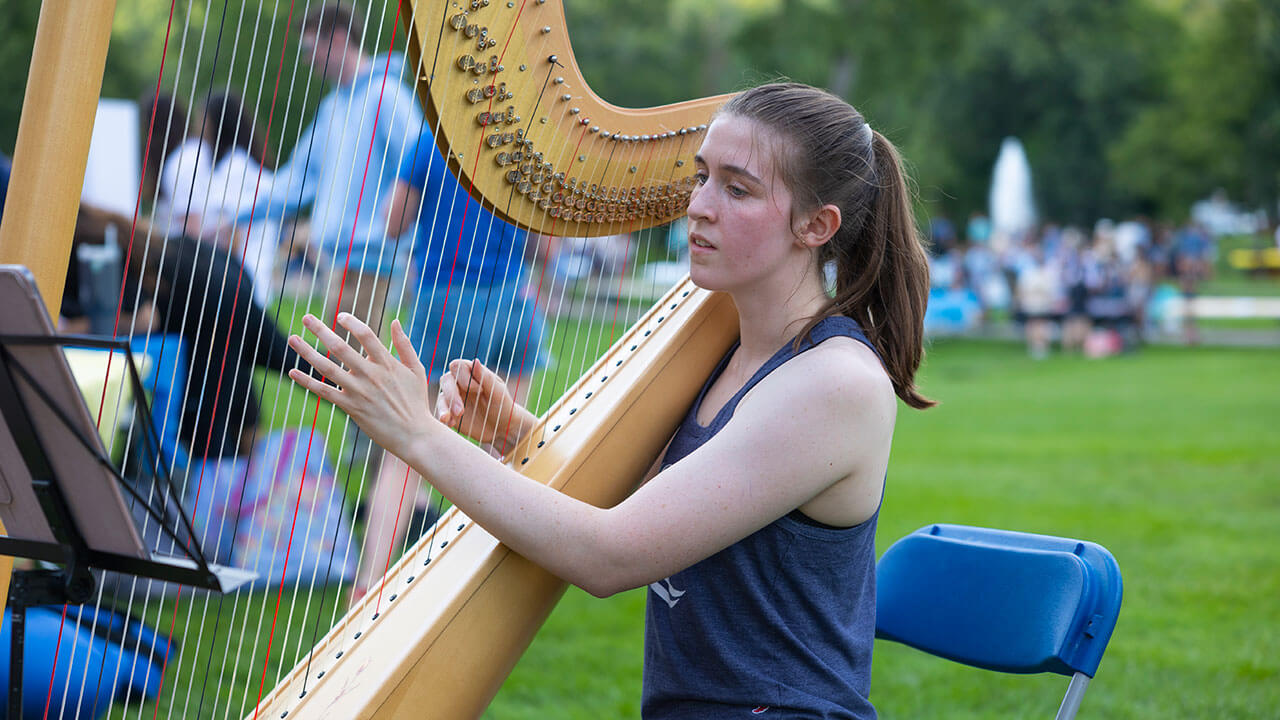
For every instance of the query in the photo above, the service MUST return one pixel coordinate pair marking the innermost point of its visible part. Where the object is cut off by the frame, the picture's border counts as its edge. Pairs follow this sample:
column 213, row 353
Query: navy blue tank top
column 779, row 624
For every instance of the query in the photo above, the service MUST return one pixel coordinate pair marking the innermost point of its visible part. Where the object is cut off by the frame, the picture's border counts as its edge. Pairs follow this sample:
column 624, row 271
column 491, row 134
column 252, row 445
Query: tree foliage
column 1124, row 106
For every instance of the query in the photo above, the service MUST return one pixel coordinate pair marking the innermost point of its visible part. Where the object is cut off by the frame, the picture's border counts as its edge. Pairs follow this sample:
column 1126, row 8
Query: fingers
column 320, row 389
column 365, row 335
column 404, row 348
column 459, row 372
column 324, row 365
column 479, row 371
column 449, row 405
column 473, row 376
column 335, row 345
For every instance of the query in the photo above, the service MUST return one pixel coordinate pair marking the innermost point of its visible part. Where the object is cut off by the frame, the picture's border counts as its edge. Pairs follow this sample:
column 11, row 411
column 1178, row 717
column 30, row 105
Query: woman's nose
column 699, row 204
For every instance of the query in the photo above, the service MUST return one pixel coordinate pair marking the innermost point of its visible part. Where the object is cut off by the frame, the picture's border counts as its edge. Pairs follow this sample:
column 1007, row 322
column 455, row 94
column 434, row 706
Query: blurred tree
column 890, row 60
column 1066, row 77
column 630, row 54
column 1123, row 105
column 19, row 22
column 1219, row 124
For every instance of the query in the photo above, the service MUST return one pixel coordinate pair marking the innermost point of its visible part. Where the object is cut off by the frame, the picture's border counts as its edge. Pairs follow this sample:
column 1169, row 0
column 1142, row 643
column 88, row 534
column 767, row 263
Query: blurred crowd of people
column 1089, row 289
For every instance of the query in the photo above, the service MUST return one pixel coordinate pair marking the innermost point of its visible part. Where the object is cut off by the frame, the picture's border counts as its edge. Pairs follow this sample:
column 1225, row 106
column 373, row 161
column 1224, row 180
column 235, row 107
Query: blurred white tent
column 112, row 175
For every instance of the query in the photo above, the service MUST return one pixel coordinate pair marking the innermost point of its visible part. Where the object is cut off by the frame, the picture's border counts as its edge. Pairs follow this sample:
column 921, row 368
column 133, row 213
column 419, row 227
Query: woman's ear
column 821, row 227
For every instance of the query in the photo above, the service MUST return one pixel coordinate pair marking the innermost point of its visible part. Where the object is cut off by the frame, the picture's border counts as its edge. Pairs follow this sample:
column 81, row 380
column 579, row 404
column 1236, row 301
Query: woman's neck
column 769, row 319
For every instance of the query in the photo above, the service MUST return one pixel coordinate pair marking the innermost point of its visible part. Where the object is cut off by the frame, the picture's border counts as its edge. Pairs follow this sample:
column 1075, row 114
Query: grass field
column 1169, row 457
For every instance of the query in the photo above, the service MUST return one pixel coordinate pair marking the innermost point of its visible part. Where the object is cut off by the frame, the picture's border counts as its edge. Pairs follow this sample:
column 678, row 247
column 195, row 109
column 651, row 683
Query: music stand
column 62, row 500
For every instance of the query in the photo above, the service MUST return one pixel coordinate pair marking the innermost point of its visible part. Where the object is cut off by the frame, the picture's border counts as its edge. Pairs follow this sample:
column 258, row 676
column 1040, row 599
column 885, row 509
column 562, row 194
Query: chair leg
column 1075, row 694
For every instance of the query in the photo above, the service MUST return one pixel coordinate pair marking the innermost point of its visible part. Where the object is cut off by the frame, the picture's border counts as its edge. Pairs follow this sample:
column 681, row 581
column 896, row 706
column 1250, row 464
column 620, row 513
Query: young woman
column 760, row 561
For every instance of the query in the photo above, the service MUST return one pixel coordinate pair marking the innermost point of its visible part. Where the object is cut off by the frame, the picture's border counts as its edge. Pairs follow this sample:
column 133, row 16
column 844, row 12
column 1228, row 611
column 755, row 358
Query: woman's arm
column 811, row 426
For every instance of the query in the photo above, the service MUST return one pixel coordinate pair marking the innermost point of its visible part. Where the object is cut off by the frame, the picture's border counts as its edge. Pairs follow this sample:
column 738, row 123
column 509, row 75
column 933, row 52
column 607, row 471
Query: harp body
column 458, row 624
column 522, row 129
column 527, row 138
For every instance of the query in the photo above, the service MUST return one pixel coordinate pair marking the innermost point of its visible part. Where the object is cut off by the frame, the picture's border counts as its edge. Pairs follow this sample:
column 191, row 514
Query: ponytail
column 888, row 297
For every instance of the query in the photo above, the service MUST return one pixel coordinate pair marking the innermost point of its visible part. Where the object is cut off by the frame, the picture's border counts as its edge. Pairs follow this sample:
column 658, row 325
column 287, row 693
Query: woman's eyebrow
column 733, row 170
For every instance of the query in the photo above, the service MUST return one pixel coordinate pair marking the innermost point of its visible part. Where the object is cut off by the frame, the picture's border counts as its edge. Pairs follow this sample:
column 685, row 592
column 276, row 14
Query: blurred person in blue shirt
column 346, row 161
column 467, row 278
column 469, row 304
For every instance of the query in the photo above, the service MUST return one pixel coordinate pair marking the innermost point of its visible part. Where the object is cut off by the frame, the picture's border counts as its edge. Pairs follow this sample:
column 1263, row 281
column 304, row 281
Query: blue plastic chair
column 1001, row 600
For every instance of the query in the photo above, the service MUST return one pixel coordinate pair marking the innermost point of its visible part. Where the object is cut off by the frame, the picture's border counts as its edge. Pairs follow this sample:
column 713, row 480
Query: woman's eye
column 736, row 191
column 700, row 178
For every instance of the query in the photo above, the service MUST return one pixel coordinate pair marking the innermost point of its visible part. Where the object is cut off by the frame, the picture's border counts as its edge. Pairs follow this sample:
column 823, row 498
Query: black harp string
column 204, row 462
column 275, row 320
column 404, row 285
column 376, row 320
column 597, row 297
column 236, row 379
column 591, row 316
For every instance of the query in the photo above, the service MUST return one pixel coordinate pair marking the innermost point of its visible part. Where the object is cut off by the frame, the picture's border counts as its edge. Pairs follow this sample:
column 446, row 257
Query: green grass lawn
column 1169, row 457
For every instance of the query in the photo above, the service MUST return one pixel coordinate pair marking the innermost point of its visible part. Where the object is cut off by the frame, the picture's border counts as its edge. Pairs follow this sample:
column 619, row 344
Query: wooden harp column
column 67, row 60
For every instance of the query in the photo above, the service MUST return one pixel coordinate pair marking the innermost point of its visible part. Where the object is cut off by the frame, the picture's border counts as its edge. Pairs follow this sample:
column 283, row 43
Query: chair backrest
column 1000, row 600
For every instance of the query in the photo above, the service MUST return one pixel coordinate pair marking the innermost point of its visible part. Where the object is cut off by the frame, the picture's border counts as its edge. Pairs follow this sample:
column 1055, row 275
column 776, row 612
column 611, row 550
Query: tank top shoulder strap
column 828, row 327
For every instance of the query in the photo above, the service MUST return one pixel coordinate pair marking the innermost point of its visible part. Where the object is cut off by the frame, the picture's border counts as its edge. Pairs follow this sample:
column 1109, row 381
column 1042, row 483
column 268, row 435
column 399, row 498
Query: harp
column 515, row 122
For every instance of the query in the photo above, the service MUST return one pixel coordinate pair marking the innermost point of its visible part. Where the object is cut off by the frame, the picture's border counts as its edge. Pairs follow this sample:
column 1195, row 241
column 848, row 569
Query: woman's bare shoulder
column 843, row 369
column 838, row 384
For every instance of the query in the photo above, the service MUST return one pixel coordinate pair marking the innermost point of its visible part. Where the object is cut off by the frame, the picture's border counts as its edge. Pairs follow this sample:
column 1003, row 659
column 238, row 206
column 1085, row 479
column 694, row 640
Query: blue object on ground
column 98, row 663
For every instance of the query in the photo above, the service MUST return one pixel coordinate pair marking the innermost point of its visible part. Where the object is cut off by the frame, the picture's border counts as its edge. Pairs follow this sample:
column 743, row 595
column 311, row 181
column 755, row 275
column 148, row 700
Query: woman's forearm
column 560, row 533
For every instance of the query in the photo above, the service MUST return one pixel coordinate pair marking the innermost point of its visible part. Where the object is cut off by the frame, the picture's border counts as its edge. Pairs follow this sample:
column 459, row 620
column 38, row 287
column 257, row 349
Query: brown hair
column 834, row 157
column 232, row 126
column 163, row 124
column 332, row 17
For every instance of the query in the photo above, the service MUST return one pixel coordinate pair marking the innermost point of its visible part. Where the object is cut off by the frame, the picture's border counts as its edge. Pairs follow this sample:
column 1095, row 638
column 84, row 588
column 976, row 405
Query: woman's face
column 740, row 211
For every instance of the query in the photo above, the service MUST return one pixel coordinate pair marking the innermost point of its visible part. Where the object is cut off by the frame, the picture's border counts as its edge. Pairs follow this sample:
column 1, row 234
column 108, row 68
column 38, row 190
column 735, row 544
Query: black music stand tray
column 62, row 500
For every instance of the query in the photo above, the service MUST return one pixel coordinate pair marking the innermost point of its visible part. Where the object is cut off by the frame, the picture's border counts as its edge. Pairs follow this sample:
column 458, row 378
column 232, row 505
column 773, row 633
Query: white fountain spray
column 1012, row 207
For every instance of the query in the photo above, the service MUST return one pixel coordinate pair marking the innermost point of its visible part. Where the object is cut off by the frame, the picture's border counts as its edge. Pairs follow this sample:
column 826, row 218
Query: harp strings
column 240, row 629
column 116, row 325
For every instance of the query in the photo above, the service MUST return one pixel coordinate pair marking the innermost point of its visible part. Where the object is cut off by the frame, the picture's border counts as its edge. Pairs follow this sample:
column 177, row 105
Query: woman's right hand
column 477, row 403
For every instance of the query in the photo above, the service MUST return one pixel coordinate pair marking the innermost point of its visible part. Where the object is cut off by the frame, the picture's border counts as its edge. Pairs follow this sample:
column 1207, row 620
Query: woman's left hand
column 385, row 395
